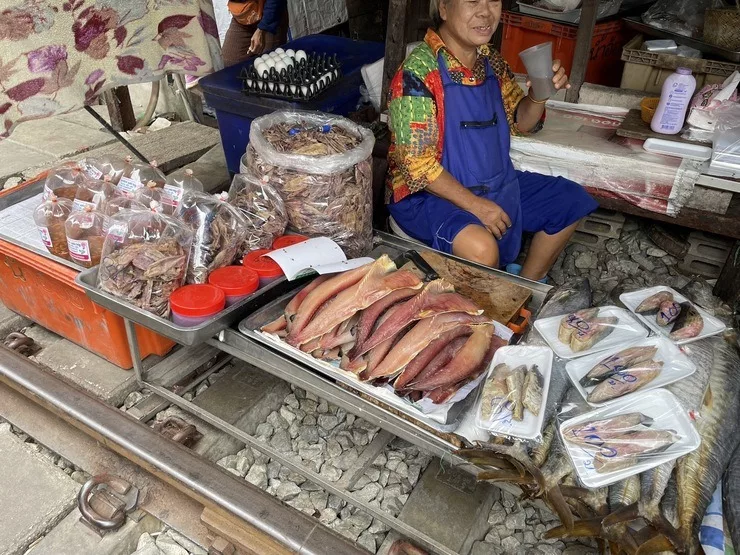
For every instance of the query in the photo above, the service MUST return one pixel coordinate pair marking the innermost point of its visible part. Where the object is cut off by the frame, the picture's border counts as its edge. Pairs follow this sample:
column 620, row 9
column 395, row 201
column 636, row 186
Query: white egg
column 279, row 66
column 288, row 62
column 265, row 74
column 304, row 90
column 290, row 52
column 336, row 73
column 281, row 87
column 292, row 89
column 300, row 55
column 274, row 55
column 327, row 77
column 270, row 63
column 279, row 51
column 271, row 86
column 249, row 83
column 260, row 67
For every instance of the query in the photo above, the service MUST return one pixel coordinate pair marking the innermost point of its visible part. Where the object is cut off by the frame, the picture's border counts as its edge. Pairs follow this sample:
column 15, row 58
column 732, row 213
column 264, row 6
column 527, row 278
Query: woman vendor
column 451, row 182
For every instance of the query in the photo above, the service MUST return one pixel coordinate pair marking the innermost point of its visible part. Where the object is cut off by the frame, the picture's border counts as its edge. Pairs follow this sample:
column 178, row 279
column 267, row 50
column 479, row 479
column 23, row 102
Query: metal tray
column 88, row 280
column 274, row 309
column 637, row 24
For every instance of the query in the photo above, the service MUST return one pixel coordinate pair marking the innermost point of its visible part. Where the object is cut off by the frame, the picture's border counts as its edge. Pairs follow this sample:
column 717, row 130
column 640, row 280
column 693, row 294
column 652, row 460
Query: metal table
column 219, row 334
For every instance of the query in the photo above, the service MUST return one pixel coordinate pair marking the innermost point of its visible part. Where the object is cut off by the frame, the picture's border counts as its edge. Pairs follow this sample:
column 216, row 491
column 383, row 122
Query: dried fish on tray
column 321, row 165
column 262, row 207
column 145, row 258
column 219, row 231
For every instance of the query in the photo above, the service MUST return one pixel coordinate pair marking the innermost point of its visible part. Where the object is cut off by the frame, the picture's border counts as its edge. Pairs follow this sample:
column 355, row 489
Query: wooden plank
column 582, row 52
column 634, row 128
column 499, row 298
column 120, row 110
column 395, row 44
column 246, row 538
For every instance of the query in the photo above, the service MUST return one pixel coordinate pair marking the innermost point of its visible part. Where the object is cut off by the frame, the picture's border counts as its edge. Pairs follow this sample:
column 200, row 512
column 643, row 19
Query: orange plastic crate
column 605, row 62
column 45, row 292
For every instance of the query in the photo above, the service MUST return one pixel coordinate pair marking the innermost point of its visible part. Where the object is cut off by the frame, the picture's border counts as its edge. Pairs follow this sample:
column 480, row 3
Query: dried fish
column 532, row 397
column 262, row 207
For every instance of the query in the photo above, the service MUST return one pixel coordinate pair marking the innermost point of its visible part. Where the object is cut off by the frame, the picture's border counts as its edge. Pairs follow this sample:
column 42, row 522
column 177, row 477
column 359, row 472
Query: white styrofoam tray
column 678, row 150
column 667, row 414
column 503, row 424
column 712, row 325
column 676, row 366
column 627, row 330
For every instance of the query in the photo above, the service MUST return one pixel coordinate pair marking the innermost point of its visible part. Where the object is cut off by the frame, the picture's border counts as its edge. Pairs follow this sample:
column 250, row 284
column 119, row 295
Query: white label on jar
column 128, row 185
column 79, row 249
column 172, row 195
column 45, row 236
column 80, row 205
column 93, row 172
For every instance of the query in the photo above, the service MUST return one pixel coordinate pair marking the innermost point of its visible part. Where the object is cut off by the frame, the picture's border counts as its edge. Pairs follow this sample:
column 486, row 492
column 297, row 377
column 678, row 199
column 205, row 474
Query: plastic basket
column 647, row 109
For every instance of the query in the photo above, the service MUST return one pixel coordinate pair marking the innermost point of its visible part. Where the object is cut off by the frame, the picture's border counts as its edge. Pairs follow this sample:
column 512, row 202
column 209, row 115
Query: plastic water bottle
column 674, row 101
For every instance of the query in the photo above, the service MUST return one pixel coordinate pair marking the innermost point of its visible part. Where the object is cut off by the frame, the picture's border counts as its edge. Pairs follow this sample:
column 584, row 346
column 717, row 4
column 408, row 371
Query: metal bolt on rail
column 104, row 501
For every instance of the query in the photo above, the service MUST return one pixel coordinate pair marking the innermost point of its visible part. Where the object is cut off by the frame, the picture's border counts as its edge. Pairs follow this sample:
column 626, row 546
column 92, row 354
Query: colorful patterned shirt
column 417, row 111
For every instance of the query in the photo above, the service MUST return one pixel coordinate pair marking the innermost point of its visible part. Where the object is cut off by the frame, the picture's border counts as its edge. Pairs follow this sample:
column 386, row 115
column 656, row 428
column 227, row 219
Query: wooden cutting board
column 499, row 298
column 634, row 128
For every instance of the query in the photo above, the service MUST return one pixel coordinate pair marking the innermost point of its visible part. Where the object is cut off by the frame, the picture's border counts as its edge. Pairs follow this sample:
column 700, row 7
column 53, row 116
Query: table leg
column 133, row 345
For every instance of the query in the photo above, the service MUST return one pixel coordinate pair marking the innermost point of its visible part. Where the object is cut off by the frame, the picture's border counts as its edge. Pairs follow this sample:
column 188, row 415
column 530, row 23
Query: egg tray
column 306, row 73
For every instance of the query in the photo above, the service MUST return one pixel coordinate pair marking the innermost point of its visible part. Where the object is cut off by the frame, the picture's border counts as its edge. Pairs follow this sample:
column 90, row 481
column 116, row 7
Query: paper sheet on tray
column 320, row 255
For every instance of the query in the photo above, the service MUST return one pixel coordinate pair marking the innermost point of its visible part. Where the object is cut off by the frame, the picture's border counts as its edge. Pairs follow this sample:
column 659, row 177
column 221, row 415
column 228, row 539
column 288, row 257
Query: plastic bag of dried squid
column 262, row 207
column 219, row 230
column 145, row 258
column 321, row 165
column 86, row 230
column 50, row 217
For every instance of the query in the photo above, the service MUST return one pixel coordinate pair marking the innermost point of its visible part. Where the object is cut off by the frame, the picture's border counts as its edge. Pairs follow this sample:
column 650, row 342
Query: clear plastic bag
column 123, row 201
column 263, row 209
column 152, row 192
column 137, row 175
column 683, row 17
column 98, row 168
column 175, row 186
column 50, row 217
column 93, row 193
column 86, row 231
column 145, row 258
column 626, row 437
column 321, row 165
column 63, row 181
column 219, row 230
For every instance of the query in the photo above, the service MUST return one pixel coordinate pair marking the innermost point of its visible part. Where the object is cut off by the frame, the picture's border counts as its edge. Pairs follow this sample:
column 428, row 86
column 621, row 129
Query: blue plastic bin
column 236, row 110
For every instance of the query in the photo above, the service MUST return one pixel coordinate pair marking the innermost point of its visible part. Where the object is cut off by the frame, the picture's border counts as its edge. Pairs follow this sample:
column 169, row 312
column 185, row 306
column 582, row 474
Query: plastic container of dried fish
column 676, row 366
column 624, row 330
column 712, row 325
column 662, row 411
column 502, row 423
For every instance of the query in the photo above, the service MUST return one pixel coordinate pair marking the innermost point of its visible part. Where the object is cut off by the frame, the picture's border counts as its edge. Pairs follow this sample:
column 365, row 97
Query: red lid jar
column 194, row 304
column 288, row 241
column 267, row 269
column 237, row 282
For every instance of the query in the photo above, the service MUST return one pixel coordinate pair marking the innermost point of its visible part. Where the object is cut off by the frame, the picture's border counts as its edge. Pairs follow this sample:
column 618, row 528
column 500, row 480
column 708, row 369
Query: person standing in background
column 257, row 26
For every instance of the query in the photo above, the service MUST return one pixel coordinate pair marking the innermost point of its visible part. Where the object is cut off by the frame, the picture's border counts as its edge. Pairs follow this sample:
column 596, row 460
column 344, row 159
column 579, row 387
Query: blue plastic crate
column 236, row 110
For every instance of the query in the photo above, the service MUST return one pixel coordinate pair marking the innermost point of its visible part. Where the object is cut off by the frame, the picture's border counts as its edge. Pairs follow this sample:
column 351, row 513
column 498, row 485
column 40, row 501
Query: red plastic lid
column 235, row 281
column 288, row 240
column 197, row 300
column 264, row 266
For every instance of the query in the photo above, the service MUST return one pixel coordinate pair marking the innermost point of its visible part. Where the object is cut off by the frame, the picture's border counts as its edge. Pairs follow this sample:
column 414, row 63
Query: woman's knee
column 476, row 244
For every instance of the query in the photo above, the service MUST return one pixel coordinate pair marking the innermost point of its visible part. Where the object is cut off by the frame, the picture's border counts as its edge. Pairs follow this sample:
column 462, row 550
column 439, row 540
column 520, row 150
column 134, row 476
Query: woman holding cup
column 451, row 184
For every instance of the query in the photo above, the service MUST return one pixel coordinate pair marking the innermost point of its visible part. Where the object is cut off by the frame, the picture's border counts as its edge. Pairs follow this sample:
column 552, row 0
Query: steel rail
column 171, row 462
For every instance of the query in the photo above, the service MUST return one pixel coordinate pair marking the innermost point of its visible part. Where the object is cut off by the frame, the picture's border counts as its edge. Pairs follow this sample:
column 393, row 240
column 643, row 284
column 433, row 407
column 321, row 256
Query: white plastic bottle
column 674, row 101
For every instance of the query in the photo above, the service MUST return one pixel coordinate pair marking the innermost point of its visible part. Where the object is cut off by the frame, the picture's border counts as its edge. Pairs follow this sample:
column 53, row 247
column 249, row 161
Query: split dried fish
column 532, row 397
column 515, row 387
column 653, row 302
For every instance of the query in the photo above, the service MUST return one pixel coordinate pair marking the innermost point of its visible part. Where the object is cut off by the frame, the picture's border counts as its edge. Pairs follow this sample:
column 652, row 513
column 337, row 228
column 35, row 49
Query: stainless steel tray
column 637, row 24
column 88, row 280
column 274, row 309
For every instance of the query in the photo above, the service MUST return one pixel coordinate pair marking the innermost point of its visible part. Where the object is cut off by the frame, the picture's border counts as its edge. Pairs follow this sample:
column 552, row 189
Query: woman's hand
column 559, row 79
column 257, row 45
column 493, row 217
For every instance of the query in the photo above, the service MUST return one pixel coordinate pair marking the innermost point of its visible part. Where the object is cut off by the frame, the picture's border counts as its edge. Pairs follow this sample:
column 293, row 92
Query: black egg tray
column 306, row 73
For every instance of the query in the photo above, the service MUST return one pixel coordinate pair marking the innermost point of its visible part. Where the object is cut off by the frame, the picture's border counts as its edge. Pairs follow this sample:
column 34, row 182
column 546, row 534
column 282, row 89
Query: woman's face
column 471, row 22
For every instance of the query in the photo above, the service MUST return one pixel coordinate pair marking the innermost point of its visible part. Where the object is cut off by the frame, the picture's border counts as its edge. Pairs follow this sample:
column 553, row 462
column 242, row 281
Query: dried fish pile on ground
column 385, row 324
column 673, row 508
column 262, row 207
column 322, row 168
column 145, row 258
column 219, row 231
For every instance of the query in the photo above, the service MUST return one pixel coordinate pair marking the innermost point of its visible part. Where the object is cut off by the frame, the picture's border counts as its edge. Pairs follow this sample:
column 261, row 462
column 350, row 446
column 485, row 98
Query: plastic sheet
column 123, row 201
column 63, row 181
column 627, row 437
column 262, row 207
column 683, row 17
column 589, row 331
column 726, row 152
column 618, row 373
column 145, row 258
column 219, row 231
column 513, row 396
column 136, row 175
column 321, row 165
column 152, row 192
column 49, row 218
column 94, row 194
column 175, row 186
column 98, row 168
column 86, row 231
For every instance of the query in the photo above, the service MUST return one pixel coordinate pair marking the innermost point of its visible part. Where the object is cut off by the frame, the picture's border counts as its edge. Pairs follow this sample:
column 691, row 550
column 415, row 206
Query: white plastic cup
column 538, row 62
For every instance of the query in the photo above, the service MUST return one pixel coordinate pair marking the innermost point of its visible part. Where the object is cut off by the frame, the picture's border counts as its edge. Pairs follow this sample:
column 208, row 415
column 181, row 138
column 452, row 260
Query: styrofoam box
column 503, row 424
column 676, row 366
column 627, row 330
column 667, row 414
column 712, row 325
